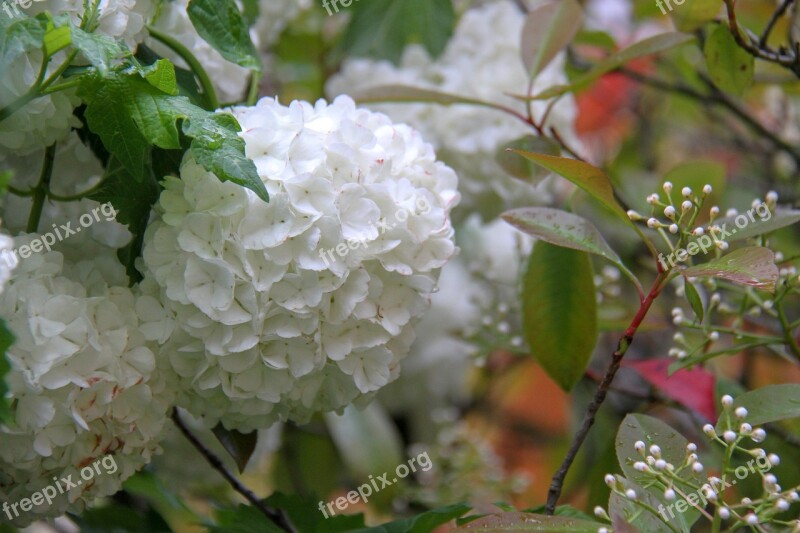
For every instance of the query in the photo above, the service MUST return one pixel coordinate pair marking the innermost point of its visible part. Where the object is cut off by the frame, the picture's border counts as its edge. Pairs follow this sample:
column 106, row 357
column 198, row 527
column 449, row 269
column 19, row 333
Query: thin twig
column 623, row 344
column 745, row 42
column 274, row 515
column 771, row 24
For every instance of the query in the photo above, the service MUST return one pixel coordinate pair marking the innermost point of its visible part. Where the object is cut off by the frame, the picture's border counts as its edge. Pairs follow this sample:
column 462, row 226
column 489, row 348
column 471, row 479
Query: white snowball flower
column 307, row 302
column 482, row 60
column 482, row 281
column 8, row 260
column 83, row 382
column 43, row 120
column 273, row 16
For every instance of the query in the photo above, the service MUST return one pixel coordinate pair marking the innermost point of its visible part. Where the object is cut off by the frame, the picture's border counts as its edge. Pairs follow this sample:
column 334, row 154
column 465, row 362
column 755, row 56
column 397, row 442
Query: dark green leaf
column 382, row 28
column 222, row 26
column 549, row 28
column 559, row 311
column 116, row 518
column 731, row 68
column 590, row 179
column 754, row 266
column 767, row 404
column 305, row 515
column 673, row 449
column 694, row 299
column 240, row 445
column 517, row 521
column 243, row 519
column 6, row 340
column 424, row 523
column 132, row 202
column 521, row 168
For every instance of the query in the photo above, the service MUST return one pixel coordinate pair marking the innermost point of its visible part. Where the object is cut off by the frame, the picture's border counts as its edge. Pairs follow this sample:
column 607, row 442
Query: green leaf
column 101, row 50
column 652, row 45
column 382, row 28
column 590, row 179
column 306, row 516
column 559, row 311
column 132, row 202
column 565, row 229
column 520, row 167
column 129, row 115
column 696, row 173
column 731, row 68
column 779, row 219
column 56, row 39
column 367, row 440
column 243, row 519
column 424, row 523
column 627, row 515
column 118, row 518
column 404, row 93
column 754, row 266
column 692, row 15
column 239, row 445
column 518, row 521
column 5, row 180
column 162, row 76
column 673, row 449
column 766, row 404
column 694, row 299
column 6, row 340
column 549, row 28
column 220, row 24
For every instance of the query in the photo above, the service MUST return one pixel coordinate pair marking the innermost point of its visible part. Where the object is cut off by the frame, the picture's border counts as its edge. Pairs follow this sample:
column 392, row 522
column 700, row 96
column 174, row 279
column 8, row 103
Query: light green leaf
column 696, row 173
column 297, row 508
column 382, row 28
column 694, row 14
column 652, row 45
column 627, row 515
column 549, row 28
column 559, row 311
column 694, row 299
column 757, row 226
column 673, row 449
column 754, row 266
column 56, row 39
column 590, row 179
column 221, row 24
column 565, row 229
column 731, row 68
column 426, row 522
column 240, row 446
column 519, row 521
column 161, row 75
column 766, row 404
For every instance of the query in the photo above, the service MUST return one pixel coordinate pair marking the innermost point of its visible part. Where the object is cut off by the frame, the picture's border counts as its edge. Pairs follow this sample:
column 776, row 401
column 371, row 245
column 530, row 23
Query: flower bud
column 726, row 401
column 686, row 192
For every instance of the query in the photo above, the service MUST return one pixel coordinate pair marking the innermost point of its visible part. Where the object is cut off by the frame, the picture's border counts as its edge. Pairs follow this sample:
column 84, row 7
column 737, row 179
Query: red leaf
column 692, row 388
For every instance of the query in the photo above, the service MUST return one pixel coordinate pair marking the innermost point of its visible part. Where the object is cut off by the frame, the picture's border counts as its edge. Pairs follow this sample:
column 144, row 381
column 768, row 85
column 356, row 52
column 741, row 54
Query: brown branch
column 745, row 42
column 762, row 42
column 624, row 343
column 274, row 515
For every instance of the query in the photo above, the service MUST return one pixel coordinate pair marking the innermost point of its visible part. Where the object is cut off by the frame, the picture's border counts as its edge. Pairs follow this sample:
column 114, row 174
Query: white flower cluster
column 49, row 118
column 8, row 261
column 475, row 308
column 482, row 60
column 83, row 383
column 229, row 79
column 266, row 326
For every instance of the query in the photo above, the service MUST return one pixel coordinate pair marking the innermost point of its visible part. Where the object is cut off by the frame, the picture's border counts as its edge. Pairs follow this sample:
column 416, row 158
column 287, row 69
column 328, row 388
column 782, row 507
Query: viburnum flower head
column 307, row 302
column 83, row 383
